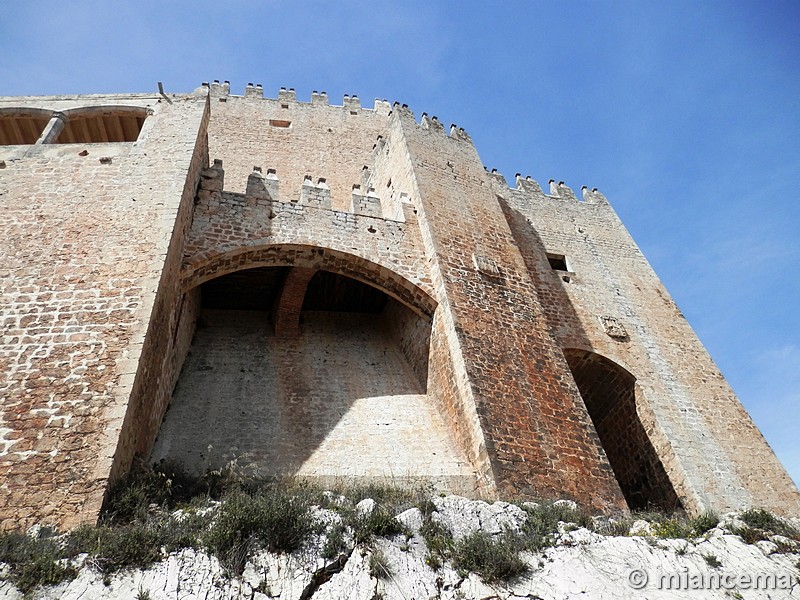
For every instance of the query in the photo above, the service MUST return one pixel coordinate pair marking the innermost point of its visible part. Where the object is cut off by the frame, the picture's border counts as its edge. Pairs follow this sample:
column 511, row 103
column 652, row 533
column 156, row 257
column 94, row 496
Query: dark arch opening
column 609, row 392
column 250, row 289
column 333, row 292
column 319, row 258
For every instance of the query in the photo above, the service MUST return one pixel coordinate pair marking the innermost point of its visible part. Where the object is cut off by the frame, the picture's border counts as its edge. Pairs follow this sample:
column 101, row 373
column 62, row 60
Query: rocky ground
column 575, row 563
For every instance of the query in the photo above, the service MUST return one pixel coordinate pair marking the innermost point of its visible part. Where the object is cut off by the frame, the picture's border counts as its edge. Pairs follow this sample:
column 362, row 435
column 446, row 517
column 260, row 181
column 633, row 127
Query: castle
column 298, row 288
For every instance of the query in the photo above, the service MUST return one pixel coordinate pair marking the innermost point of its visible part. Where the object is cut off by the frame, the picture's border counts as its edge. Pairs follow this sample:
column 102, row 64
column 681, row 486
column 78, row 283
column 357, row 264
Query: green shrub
column 136, row 545
column 761, row 519
column 143, row 594
column 540, row 528
column 380, row 522
column 712, row 561
column 438, row 541
column 704, row 523
column 544, row 518
column 750, row 535
column 672, row 528
column 33, row 561
column 272, row 520
column 379, row 565
column 492, row 559
column 335, row 543
column 114, row 548
column 613, row 527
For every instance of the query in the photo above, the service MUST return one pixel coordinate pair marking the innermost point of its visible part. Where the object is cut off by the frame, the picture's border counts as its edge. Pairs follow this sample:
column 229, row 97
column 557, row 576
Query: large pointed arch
column 312, row 257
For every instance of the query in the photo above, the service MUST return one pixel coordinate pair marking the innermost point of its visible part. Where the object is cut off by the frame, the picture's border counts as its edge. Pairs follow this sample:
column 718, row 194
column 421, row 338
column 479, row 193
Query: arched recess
column 22, row 125
column 202, row 269
column 610, row 394
column 346, row 397
column 101, row 124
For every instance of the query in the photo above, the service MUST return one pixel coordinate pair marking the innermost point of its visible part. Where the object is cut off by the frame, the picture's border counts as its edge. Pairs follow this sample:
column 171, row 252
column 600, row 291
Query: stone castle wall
column 546, row 348
column 693, row 418
column 87, row 228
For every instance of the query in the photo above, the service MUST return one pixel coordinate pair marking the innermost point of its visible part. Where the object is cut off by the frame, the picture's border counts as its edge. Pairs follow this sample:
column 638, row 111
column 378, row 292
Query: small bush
column 612, row 527
column 492, row 559
column 136, row 545
column 712, row 561
column 335, row 543
column 544, row 518
column 749, row 535
column 784, row 547
column 438, row 541
column 114, row 548
column 379, row 565
column 761, row 519
column 539, row 530
column 672, row 528
column 273, row 520
column 33, row 561
column 168, row 486
column 704, row 523
column 143, row 594
column 380, row 522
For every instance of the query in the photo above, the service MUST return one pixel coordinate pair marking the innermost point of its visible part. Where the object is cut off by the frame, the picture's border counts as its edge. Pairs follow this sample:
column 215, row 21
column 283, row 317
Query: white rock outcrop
column 581, row 564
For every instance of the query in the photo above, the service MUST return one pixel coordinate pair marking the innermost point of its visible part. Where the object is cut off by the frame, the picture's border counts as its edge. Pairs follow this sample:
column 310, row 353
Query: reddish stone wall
column 539, row 438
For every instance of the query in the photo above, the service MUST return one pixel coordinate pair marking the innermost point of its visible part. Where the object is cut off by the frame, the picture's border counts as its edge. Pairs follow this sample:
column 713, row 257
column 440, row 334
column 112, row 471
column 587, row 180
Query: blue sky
column 685, row 114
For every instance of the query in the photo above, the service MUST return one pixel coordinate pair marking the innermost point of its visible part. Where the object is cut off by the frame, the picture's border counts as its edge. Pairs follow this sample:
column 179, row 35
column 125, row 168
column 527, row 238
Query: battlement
column 351, row 103
column 530, row 189
column 431, row 123
column 265, row 188
column 288, row 96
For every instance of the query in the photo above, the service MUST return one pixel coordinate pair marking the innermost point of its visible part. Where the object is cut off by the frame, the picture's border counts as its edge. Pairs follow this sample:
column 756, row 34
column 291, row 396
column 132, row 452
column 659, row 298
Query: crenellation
column 352, row 103
column 402, row 110
column 458, row 133
column 365, row 204
column 565, row 192
column 318, row 194
column 431, row 123
column 528, row 185
column 254, row 91
column 497, row 180
column 218, row 89
column 382, row 107
column 593, row 196
column 319, row 98
column 260, row 187
column 288, row 96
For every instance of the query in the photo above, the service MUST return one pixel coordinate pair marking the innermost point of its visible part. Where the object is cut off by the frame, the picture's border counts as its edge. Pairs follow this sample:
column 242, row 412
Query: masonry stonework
column 297, row 288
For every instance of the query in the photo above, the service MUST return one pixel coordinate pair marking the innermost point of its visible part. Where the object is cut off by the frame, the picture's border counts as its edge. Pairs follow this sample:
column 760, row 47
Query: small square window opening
column 558, row 262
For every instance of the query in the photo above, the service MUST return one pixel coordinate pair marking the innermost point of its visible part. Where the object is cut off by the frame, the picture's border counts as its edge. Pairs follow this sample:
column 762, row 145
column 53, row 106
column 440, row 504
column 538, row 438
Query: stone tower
column 335, row 292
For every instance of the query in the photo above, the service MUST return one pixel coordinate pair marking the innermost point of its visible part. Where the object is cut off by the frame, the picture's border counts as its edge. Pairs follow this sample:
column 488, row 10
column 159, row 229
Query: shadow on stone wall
column 339, row 400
